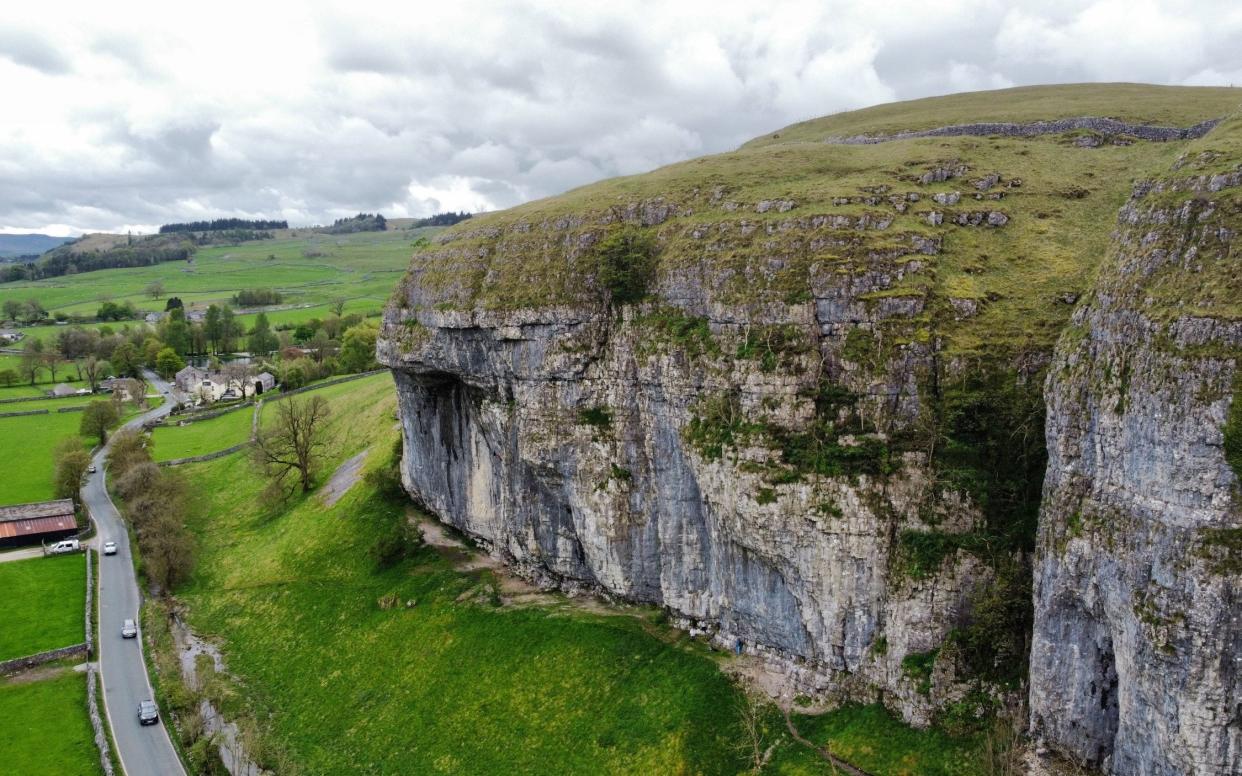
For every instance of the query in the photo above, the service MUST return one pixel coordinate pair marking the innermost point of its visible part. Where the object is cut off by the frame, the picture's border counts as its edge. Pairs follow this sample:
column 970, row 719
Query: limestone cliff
column 1136, row 663
column 793, row 394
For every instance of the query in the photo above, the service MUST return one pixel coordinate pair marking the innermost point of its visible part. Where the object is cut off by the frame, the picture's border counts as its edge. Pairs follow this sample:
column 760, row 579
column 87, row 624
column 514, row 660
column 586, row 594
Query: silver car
column 129, row 630
column 109, row 548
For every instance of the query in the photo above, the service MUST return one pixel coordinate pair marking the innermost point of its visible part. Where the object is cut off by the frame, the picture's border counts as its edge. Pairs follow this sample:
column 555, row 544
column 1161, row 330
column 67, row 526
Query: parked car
column 128, row 629
column 148, row 713
column 63, row 546
column 109, row 548
column 92, row 469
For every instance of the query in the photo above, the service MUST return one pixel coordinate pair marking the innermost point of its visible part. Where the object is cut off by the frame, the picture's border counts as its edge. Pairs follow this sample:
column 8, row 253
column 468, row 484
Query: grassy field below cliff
column 456, row 683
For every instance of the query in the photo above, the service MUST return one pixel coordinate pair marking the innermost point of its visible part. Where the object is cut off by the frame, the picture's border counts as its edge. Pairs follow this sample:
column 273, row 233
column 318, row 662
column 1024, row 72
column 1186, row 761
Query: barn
column 44, row 521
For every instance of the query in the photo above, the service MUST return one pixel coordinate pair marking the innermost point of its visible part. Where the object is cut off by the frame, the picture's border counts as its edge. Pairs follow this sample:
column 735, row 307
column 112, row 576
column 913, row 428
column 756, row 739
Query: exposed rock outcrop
column 806, row 417
column 1136, row 663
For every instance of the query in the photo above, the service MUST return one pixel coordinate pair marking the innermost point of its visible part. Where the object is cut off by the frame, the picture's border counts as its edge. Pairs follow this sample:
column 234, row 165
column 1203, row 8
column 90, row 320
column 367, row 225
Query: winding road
column 144, row 751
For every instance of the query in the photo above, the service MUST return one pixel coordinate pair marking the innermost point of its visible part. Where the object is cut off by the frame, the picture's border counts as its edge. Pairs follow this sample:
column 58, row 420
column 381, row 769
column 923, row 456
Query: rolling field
column 28, row 477
column 41, row 605
column 201, row 437
column 292, row 592
column 46, row 728
column 308, row 268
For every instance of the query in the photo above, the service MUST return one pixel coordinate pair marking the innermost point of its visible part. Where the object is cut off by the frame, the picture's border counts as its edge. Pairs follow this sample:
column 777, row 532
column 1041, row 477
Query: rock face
column 1136, row 663
column 558, row 441
column 801, row 409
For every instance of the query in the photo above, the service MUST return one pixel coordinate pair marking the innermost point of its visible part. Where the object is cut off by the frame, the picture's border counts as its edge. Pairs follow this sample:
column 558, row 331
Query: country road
column 144, row 751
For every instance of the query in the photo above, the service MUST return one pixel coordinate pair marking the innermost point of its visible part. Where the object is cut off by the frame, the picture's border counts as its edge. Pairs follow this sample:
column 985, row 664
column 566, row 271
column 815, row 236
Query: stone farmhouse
column 209, row 386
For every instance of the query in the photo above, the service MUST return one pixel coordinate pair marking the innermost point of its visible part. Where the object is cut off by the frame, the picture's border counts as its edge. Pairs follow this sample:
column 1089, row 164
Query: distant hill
column 28, row 244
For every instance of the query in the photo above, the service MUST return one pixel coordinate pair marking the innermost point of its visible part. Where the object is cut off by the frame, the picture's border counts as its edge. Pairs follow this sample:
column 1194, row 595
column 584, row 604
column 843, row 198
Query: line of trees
column 363, row 222
column 441, row 219
column 155, row 503
column 219, row 224
column 29, row 311
column 257, row 297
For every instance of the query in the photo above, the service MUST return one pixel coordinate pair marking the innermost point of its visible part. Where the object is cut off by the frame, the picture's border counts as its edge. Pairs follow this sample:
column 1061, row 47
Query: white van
column 64, row 546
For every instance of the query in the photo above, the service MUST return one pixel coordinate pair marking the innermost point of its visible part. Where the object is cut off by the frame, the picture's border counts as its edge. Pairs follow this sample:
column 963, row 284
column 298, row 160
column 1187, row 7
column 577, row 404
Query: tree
column 337, row 307
column 97, row 418
column 213, row 327
column 93, row 370
column 262, row 340
column 321, row 344
column 126, row 360
column 176, row 332
column 155, row 289
column 9, row 377
column 151, row 351
column 32, row 361
column 52, row 361
column 173, row 303
column 33, row 311
column 358, row 349
column 168, row 363
column 627, row 264
column 128, row 449
column 13, row 309
column 290, row 448
column 230, row 330
column 71, row 464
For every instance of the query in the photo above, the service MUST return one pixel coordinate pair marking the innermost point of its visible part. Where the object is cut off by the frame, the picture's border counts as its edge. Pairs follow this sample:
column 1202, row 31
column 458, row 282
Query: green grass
column 292, row 596
column 361, row 268
column 872, row 739
column 41, row 606
column 1051, row 245
column 28, row 477
column 46, row 728
column 1133, row 103
column 204, row 436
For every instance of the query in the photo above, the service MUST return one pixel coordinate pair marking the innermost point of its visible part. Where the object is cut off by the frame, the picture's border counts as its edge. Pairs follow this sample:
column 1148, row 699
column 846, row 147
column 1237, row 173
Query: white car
column 61, row 547
column 92, row 469
column 109, row 548
column 129, row 630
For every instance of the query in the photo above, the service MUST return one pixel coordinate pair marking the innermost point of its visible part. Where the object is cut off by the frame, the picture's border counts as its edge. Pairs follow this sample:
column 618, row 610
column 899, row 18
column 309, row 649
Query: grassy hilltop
column 1059, row 195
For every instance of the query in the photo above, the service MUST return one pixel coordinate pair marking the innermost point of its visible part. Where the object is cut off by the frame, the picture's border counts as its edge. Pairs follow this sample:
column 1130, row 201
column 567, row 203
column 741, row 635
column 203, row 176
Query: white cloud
column 312, row 111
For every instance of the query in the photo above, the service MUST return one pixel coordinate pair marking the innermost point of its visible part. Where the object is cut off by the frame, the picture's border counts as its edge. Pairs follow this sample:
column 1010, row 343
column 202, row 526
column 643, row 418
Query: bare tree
column 237, row 372
column 751, row 712
column 92, row 370
column 155, row 289
column 337, row 307
column 290, row 448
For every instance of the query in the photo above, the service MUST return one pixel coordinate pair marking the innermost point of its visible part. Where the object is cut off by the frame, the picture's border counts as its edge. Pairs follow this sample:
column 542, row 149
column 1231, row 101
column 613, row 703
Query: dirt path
column 26, row 554
column 837, row 764
column 343, row 479
column 514, row 591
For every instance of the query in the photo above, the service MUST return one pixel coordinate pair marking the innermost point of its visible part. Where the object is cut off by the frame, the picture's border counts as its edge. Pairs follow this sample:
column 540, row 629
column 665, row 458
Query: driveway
column 144, row 751
column 29, row 552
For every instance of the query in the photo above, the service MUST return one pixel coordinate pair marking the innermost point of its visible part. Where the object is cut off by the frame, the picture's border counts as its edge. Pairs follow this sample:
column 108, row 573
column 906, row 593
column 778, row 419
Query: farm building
column 188, row 379
column 262, row 383
column 45, row 521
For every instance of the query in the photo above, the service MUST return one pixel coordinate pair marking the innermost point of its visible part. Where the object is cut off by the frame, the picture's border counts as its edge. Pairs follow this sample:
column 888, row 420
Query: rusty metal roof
column 40, row 525
column 39, row 509
column 42, row 517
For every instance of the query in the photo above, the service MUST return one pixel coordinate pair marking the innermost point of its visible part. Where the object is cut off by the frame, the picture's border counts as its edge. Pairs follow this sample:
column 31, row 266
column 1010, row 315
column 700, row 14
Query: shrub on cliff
column 626, row 263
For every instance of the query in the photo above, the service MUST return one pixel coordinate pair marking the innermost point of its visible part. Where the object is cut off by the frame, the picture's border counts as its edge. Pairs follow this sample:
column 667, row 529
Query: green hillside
column 1176, row 106
column 759, row 224
column 308, row 268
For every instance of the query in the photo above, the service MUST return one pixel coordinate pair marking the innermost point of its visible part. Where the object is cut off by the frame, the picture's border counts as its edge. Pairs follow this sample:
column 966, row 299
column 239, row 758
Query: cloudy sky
column 119, row 116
